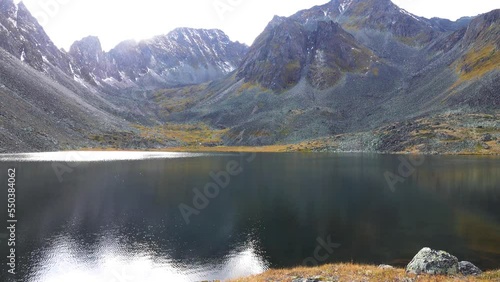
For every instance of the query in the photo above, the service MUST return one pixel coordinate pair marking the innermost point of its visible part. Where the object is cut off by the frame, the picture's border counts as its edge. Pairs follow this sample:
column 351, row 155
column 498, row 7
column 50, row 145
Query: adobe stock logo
column 222, row 7
column 407, row 167
column 324, row 249
column 45, row 10
column 219, row 181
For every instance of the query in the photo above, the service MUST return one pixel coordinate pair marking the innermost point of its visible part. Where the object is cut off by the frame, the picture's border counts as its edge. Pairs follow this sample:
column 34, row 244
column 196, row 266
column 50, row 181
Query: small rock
column 385, row 266
column 305, row 280
column 487, row 137
column 467, row 268
column 433, row 262
column 485, row 146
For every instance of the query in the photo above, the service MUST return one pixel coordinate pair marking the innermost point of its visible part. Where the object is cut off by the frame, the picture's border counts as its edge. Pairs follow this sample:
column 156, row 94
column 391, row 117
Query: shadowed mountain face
column 288, row 50
column 345, row 67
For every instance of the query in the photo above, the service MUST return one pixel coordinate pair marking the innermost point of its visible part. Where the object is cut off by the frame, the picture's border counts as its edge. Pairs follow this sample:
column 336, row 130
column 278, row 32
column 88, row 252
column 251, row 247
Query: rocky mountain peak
column 183, row 56
column 90, row 43
column 484, row 28
column 92, row 62
column 23, row 37
column 88, row 51
column 290, row 50
column 186, row 33
column 379, row 15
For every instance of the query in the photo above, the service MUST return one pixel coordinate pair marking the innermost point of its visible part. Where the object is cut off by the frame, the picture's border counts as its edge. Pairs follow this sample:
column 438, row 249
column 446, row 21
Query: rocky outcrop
column 93, row 63
column 467, row 268
column 429, row 261
column 24, row 38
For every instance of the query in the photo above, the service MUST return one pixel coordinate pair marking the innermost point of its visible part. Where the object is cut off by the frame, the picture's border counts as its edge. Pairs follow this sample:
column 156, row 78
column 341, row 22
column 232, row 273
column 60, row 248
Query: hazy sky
column 116, row 20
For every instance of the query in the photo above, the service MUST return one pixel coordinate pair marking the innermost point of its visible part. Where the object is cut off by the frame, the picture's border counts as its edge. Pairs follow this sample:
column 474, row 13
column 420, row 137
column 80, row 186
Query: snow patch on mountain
column 409, row 14
column 344, row 5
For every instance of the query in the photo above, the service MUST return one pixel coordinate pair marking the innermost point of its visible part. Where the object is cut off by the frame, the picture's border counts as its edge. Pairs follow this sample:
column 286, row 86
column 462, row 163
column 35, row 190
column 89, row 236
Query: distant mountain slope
column 307, row 77
column 381, row 15
column 288, row 51
column 184, row 56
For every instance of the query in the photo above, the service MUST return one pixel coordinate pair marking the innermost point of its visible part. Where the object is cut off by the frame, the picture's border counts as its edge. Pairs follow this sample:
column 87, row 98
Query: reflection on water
column 87, row 156
column 120, row 221
column 63, row 261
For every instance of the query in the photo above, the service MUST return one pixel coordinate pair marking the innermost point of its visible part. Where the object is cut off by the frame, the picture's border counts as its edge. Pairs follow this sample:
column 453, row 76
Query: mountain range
column 349, row 75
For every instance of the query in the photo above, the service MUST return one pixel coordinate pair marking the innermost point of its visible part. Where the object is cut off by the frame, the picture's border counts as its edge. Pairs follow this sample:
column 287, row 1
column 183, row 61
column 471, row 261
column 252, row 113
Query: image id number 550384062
column 11, row 220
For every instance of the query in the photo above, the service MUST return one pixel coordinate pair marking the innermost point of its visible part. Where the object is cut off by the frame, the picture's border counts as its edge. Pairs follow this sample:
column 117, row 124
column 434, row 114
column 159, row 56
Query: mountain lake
column 132, row 216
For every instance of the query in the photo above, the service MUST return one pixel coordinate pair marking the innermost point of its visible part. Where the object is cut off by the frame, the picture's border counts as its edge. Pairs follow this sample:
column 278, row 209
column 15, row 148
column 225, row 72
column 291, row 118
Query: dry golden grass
column 187, row 134
column 178, row 99
column 476, row 64
column 355, row 272
column 231, row 149
column 479, row 62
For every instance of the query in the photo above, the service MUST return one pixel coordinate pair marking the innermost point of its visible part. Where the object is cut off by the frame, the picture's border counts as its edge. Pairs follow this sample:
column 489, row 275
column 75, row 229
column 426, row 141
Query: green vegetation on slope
column 478, row 62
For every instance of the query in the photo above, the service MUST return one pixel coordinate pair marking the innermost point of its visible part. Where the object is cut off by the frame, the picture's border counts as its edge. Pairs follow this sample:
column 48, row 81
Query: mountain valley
column 349, row 75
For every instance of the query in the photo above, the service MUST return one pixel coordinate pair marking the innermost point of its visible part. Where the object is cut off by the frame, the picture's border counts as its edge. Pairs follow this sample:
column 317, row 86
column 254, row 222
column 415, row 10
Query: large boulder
column 433, row 262
column 467, row 268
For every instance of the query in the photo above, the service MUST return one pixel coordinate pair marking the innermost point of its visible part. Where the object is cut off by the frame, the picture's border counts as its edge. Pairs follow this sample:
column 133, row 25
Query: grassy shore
column 355, row 272
column 297, row 148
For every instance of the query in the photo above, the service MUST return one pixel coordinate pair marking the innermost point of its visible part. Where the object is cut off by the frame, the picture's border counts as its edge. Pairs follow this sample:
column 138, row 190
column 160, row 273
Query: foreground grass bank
column 355, row 272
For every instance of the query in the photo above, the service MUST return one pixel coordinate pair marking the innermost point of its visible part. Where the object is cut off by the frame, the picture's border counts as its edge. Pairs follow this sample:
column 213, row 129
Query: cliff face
column 25, row 39
column 289, row 50
column 184, row 56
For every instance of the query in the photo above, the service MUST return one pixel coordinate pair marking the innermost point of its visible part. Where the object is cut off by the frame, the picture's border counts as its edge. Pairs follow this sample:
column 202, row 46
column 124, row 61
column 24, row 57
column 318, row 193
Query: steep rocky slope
column 183, row 56
column 287, row 50
column 306, row 77
column 45, row 104
column 51, row 99
column 37, row 113
column 23, row 37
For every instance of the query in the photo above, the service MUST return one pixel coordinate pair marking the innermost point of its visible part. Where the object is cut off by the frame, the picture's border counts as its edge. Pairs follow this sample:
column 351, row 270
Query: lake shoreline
column 281, row 149
column 358, row 272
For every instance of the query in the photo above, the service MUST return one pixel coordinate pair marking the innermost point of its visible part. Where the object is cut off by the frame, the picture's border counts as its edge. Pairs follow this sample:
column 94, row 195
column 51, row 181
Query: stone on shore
column 430, row 261
column 467, row 268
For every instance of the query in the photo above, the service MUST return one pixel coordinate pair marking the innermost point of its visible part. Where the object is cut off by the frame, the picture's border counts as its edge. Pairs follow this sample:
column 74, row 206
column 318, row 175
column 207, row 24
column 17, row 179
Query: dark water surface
column 121, row 220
